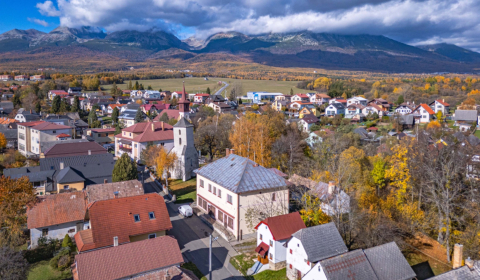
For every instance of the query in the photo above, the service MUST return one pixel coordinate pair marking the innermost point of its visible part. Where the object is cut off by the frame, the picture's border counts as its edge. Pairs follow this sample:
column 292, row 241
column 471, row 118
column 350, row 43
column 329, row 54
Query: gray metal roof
column 466, row 115
column 361, row 131
column 239, row 174
column 54, row 163
column 389, row 263
column 337, row 105
column 321, row 242
column 183, row 123
column 351, row 265
column 45, row 146
column 68, row 175
column 462, row 273
column 10, row 133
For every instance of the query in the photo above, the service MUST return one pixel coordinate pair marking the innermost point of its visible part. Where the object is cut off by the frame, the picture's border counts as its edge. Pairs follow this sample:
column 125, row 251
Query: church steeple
column 184, row 104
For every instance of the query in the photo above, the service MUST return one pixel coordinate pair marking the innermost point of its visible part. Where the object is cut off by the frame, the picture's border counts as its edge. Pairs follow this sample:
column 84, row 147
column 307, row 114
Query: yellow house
column 280, row 105
column 68, row 179
column 308, row 111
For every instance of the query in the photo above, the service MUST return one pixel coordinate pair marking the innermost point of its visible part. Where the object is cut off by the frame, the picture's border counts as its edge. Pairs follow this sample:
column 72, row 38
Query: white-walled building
column 230, row 186
column 357, row 100
column 272, row 234
column 424, row 114
column 334, row 109
column 184, row 148
column 32, row 134
column 405, row 109
column 310, row 245
column 440, row 105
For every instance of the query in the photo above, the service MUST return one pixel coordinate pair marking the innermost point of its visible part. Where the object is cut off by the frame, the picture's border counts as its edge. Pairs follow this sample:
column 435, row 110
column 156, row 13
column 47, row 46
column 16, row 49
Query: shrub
column 64, row 262
column 67, row 242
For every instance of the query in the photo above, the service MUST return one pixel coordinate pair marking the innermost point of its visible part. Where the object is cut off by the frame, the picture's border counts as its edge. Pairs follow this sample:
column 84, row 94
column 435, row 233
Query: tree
column 136, row 86
column 235, row 91
column 13, row 266
column 400, row 99
column 164, row 162
column 139, row 116
column 439, row 116
column 378, row 173
column 56, row 104
column 164, row 118
column 212, row 134
column 38, row 107
column 434, row 125
column 15, row 196
column 312, row 214
column 288, row 150
column 76, row 104
column 118, row 129
column 3, row 141
column 208, row 90
column 130, row 87
column 266, row 205
column 28, row 102
column 64, row 107
column 74, row 83
column 16, row 100
column 68, row 243
column 93, row 119
column 291, row 91
column 115, row 114
column 125, row 169
column 114, row 89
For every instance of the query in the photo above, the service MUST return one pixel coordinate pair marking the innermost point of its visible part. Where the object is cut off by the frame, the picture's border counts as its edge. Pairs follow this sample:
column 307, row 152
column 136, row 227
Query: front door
column 212, row 211
column 299, row 275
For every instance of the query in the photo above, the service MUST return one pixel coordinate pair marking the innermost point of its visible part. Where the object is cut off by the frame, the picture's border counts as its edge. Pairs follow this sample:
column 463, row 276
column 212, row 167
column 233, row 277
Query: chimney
column 469, row 263
column 105, row 181
column 331, row 187
column 89, row 152
column 62, row 165
column 232, row 151
column 115, row 241
column 457, row 255
column 115, row 194
column 167, row 276
column 227, row 152
column 162, row 126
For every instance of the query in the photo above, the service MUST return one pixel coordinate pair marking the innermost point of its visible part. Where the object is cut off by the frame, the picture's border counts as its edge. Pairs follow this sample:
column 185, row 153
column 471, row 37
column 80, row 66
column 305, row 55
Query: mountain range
column 299, row 49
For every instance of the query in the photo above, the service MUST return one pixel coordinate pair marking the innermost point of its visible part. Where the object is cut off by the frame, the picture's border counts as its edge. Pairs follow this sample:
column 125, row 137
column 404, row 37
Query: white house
column 152, row 94
column 307, row 121
column 319, row 98
column 353, row 110
column 272, row 234
column 32, row 134
column 301, row 97
column 310, row 245
column 334, row 109
column 56, row 215
column 357, row 100
column 372, row 108
column 338, row 100
column 464, row 119
column 424, row 114
column 440, row 105
column 53, row 93
column 404, row 109
column 231, row 186
column 136, row 93
column 36, row 78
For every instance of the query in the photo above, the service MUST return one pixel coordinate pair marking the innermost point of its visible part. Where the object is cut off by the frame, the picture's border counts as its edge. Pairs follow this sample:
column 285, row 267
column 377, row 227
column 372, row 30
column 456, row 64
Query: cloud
column 410, row 21
column 38, row 21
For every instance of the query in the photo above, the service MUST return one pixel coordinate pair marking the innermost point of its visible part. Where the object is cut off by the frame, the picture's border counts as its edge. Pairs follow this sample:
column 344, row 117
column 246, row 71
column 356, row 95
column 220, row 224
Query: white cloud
column 406, row 20
column 38, row 21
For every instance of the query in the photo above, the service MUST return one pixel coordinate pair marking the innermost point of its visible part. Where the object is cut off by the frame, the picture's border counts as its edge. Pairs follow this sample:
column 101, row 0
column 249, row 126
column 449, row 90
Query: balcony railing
column 125, row 148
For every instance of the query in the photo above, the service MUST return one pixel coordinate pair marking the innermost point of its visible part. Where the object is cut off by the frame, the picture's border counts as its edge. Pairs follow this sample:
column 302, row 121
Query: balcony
column 126, row 148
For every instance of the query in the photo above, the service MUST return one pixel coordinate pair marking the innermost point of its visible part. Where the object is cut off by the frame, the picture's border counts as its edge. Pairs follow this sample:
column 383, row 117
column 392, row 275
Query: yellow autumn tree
column 398, row 172
column 3, row 141
column 473, row 92
column 397, row 90
column 376, row 94
column 427, row 86
column 164, row 162
column 312, row 213
column 322, row 82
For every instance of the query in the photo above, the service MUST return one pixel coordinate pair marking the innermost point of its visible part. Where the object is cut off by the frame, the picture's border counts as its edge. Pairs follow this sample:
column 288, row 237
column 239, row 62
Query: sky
column 409, row 21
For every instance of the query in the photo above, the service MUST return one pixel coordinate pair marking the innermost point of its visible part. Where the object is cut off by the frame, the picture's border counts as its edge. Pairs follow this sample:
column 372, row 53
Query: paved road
column 192, row 235
column 219, row 92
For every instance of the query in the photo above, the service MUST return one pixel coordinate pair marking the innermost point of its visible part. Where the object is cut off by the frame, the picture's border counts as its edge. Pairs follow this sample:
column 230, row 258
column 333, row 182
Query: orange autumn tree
column 3, row 141
column 164, row 162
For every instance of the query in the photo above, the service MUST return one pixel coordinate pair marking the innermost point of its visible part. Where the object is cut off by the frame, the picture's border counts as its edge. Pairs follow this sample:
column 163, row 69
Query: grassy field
column 193, row 85
column 242, row 263
column 186, row 192
column 43, row 271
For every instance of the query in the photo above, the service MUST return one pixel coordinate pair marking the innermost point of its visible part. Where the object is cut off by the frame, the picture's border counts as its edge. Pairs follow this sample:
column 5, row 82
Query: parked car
column 185, row 210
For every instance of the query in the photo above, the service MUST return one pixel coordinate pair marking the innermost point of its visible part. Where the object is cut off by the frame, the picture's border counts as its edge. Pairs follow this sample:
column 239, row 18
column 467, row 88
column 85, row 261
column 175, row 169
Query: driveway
column 193, row 237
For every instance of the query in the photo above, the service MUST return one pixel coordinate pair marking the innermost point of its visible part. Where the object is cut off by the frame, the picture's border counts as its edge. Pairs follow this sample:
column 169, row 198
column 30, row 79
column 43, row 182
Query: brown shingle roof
column 171, row 113
column 106, row 191
column 115, row 217
column 49, row 126
column 57, row 209
column 74, row 149
column 283, row 226
column 129, row 259
column 147, row 134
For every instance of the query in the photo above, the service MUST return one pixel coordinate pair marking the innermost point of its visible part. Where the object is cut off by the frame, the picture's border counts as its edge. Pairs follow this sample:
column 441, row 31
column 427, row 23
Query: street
column 219, row 92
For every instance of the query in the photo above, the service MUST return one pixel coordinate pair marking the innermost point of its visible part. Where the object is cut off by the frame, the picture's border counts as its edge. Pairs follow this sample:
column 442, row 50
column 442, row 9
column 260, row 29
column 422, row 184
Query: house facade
column 53, row 93
column 423, row 113
column 21, row 78
column 440, row 105
column 404, row 109
column 32, row 134
column 357, row 100
column 334, row 109
column 37, row 78
column 226, row 190
column 302, row 97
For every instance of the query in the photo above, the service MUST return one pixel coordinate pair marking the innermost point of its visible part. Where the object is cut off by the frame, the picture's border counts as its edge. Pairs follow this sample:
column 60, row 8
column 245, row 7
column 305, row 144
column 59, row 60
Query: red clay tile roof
column 146, row 132
column 63, row 135
column 129, row 259
column 283, row 226
column 427, row 108
column 103, row 129
column 202, row 94
column 115, row 217
column 302, row 95
column 59, row 92
column 30, row 124
column 442, row 102
column 323, row 95
column 74, row 149
column 50, row 126
column 262, row 249
column 115, row 105
column 57, row 209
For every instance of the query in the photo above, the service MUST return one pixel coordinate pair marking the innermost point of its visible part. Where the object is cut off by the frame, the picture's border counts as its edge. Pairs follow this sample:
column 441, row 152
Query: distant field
column 193, row 85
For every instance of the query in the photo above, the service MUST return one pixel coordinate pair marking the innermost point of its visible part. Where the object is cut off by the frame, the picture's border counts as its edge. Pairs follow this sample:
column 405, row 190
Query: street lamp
column 210, row 257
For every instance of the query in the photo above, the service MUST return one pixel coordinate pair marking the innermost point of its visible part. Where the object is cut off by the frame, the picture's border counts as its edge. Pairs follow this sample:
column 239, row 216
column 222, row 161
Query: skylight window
column 151, row 215
column 137, row 218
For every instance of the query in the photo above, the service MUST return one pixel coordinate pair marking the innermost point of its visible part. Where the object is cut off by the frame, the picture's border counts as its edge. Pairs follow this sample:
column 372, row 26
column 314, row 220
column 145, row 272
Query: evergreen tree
column 118, row 129
column 76, row 104
column 164, row 118
column 38, row 107
column 136, row 86
column 16, row 100
column 140, row 87
column 130, row 86
column 149, row 87
column 115, row 114
column 139, row 116
column 67, row 242
column 114, row 89
column 92, row 117
column 291, row 91
column 240, row 101
column 64, row 107
column 208, row 90
column 160, row 90
column 125, row 169
column 56, row 104
column 400, row 100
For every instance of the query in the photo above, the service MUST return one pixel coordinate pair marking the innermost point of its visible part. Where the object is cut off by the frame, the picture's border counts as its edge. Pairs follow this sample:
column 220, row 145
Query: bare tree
column 235, row 91
column 29, row 101
column 267, row 204
column 288, row 150
column 12, row 264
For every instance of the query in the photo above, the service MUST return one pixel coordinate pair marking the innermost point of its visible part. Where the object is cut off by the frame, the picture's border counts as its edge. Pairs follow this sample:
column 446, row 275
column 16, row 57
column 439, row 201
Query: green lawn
column 242, row 263
column 477, row 133
column 193, row 85
column 43, row 271
column 186, row 192
column 193, row 268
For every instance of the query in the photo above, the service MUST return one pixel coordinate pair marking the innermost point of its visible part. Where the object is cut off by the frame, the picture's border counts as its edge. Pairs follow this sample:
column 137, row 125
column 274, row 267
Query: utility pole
column 210, row 257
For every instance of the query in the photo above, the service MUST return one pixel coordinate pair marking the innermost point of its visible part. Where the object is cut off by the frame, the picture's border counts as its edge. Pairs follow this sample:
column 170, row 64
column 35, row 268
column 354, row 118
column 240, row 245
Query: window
column 45, row 232
column 220, row 193
column 200, row 202
column 136, row 217
column 201, row 183
column 72, row 230
column 291, row 251
column 214, row 190
column 153, row 235
column 261, row 237
column 151, row 215
column 273, row 196
column 290, row 266
column 229, row 198
column 271, row 256
column 230, row 222
column 209, row 188
column 271, row 243
column 220, row 216
column 66, row 187
column 54, row 131
column 135, row 145
column 179, row 132
column 179, row 141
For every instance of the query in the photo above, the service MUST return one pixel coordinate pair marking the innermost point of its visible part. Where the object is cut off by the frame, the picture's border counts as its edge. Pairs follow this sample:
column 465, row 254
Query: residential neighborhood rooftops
column 239, row 174
column 171, row 113
column 310, row 119
column 283, row 226
column 57, row 209
column 129, row 260
column 69, row 175
column 115, row 217
column 389, row 263
column 321, row 242
column 110, row 190
column 441, row 102
column 338, row 105
column 83, row 160
column 462, row 273
column 74, row 149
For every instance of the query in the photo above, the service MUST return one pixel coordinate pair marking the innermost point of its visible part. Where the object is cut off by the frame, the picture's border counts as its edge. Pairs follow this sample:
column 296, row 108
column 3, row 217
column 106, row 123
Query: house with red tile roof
column 301, row 97
column 272, row 234
column 171, row 113
column 440, row 105
column 53, row 93
column 135, row 138
column 123, row 220
column 32, row 134
column 56, row 215
column 200, row 97
column 423, row 113
column 148, row 259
